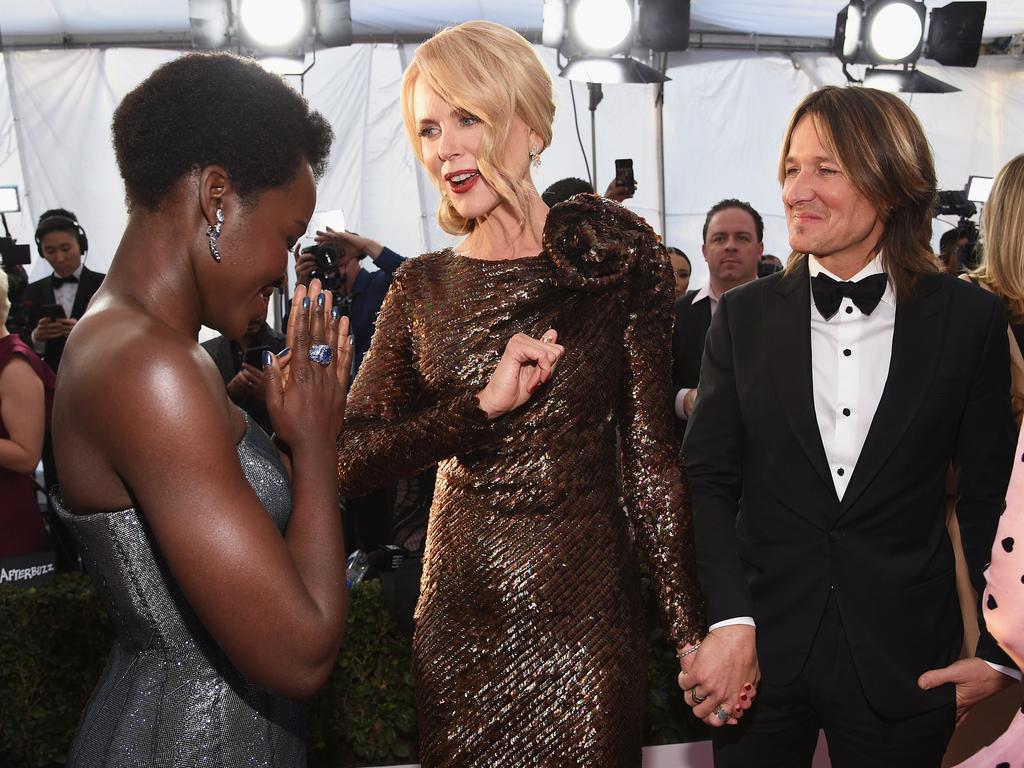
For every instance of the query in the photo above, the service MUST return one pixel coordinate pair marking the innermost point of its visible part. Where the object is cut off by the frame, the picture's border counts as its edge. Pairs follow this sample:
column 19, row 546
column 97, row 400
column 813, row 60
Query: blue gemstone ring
column 321, row 354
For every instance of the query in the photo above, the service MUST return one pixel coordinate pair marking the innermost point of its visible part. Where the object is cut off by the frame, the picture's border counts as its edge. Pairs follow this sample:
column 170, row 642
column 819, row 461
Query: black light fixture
column 892, row 32
column 880, row 32
column 278, row 27
column 954, row 34
column 596, row 36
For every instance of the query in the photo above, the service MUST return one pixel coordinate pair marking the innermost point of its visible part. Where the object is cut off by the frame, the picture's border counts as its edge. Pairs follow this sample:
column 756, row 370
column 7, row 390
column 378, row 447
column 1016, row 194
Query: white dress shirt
column 849, row 367
column 707, row 293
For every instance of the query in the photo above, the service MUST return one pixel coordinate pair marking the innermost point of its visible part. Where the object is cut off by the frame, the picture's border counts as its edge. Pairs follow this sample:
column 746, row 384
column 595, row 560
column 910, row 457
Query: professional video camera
column 13, row 257
column 962, row 203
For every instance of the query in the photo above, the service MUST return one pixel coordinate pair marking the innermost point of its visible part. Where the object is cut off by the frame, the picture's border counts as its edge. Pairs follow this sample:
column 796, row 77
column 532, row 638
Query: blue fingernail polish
column 284, row 352
column 305, row 303
column 267, row 358
column 335, row 312
column 320, row 300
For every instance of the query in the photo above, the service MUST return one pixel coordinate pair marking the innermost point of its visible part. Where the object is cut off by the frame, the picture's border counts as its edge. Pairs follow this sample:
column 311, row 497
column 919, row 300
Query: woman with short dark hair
column 221, row 562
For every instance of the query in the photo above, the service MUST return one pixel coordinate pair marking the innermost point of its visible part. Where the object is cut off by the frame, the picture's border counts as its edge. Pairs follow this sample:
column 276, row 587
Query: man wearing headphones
column 56, row 302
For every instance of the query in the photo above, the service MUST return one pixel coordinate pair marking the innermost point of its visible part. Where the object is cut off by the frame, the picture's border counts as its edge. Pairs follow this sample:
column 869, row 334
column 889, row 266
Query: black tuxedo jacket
column 691, row 328
column 40, row 293
column 773, row 538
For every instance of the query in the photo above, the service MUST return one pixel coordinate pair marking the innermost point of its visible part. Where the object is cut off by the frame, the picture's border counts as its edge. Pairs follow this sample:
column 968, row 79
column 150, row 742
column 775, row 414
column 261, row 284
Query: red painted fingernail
column 743, row 696
column 747, row 686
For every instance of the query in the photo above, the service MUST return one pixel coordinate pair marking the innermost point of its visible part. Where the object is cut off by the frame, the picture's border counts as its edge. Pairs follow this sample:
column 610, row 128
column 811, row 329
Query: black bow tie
column 58, row 281
column 829, row 293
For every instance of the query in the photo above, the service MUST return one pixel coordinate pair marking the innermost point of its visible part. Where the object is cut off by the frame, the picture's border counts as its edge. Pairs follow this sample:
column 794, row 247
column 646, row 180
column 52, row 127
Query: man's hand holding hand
column 974, row 679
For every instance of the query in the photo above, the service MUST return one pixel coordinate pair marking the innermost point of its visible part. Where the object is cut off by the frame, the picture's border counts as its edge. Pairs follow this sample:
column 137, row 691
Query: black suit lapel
column 916, row 341
column 789, row 335
column 86, row 288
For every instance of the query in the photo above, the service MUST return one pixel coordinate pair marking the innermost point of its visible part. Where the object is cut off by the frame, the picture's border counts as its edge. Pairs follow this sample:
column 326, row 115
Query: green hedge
column 54, row 641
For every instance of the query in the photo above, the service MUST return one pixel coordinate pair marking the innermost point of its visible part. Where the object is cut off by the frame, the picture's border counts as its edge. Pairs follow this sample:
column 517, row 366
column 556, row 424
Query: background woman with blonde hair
column 516, row 360
column 1002, row 271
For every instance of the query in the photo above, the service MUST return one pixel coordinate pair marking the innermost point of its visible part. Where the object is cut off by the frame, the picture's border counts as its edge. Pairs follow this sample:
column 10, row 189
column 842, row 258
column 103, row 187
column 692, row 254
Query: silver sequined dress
column 169, row 696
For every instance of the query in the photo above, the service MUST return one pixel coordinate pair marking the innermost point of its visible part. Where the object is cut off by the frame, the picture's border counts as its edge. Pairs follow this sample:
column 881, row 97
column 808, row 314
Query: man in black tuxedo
column 62, row 242
column 833, row 397
column 733, row 244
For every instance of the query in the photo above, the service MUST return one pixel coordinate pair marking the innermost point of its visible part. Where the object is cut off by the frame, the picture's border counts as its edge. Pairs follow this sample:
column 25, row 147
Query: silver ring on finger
column 697, row 699
column 722, row 713
column 321, row 354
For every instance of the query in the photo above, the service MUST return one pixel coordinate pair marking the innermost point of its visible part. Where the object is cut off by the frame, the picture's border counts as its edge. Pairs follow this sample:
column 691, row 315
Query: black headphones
column 59, row 223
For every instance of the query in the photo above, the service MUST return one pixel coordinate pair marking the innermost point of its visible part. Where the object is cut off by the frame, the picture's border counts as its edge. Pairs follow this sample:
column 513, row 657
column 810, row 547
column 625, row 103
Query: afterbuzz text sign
column 27, row 570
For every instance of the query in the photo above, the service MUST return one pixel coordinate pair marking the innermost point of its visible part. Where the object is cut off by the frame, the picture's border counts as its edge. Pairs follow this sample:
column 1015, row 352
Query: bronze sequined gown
column 530, row 646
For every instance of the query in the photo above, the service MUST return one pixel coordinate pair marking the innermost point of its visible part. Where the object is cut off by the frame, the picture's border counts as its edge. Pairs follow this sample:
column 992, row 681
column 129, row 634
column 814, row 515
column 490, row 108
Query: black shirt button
column 847, row 352
column 849, row 310
column 846, row 411
column 840, row 471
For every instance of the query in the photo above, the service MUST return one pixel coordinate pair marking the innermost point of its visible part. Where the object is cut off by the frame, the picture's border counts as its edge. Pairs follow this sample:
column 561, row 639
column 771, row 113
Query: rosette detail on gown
column 530, row 645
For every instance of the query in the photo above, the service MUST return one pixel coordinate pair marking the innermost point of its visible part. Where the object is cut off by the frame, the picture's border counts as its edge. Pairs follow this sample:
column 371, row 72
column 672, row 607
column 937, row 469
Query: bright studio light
column 601, row 26
column 895, row 32
column 273, row 23
column 852, row 39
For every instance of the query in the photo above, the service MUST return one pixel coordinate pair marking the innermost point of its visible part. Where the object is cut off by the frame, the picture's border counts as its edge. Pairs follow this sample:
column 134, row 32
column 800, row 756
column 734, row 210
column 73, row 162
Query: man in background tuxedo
column 833, row 397
column 733, row 244
column 63, row 243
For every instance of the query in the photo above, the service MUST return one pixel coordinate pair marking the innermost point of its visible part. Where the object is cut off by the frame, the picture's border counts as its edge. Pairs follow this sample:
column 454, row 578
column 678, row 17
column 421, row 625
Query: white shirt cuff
column 745, row 620
column 1008, row 671
column 680, row 410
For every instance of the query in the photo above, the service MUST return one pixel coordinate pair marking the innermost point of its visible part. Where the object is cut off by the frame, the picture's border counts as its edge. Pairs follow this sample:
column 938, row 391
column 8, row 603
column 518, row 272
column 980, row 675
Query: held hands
column 974, row 679
column 306, row 400
column 720, row 679
column 525, row 365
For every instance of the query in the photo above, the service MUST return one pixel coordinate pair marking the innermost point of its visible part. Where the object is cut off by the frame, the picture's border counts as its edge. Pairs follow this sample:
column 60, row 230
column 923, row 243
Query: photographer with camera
column 335, row 260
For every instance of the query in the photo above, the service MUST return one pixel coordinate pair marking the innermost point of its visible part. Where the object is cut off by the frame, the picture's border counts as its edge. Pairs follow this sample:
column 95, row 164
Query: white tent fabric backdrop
column 724, row 116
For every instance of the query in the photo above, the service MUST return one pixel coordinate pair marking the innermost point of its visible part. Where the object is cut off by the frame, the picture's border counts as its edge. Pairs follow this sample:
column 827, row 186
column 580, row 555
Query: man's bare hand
column 723, row 674
column 974, row 679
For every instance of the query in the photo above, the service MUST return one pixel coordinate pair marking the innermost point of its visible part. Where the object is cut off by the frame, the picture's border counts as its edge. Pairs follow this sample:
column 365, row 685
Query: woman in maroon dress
column 26, row 396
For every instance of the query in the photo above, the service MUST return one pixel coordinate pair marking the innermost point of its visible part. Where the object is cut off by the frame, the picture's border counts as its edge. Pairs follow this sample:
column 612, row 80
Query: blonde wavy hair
column 493, row 73
column 881, row 146
column 1002, row 237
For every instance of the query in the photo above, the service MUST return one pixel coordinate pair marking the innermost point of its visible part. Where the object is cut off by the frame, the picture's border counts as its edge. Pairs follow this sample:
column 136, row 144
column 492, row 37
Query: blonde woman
column 532, row 362
column 1002, row 271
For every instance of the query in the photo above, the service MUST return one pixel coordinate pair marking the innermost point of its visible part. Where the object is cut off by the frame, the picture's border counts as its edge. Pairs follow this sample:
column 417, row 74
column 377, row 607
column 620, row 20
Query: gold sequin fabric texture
column 529, row 646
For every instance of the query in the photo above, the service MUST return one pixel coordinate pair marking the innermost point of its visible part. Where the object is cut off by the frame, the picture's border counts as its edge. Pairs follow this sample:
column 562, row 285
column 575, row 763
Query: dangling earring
column 213, row 232
column 534, row 156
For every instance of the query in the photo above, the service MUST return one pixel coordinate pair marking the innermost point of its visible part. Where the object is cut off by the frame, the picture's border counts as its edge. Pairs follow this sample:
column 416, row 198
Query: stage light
column 611, row 69
column 879, row 32
column 274, row 24
column 954, row 34
column 905, row 81
column 601, row 26
column 895, row 31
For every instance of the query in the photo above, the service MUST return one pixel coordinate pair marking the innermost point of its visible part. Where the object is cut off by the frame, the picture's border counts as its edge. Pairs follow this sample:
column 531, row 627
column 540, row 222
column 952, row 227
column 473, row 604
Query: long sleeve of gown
column 653, row 475
column 392, row 429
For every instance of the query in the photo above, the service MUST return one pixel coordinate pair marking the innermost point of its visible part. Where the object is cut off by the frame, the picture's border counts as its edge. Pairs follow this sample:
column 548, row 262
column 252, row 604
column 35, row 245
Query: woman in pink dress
column 1003, row 272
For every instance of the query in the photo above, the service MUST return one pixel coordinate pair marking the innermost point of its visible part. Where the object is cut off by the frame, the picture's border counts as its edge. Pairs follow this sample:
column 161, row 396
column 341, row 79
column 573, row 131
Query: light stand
column 596, row 94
